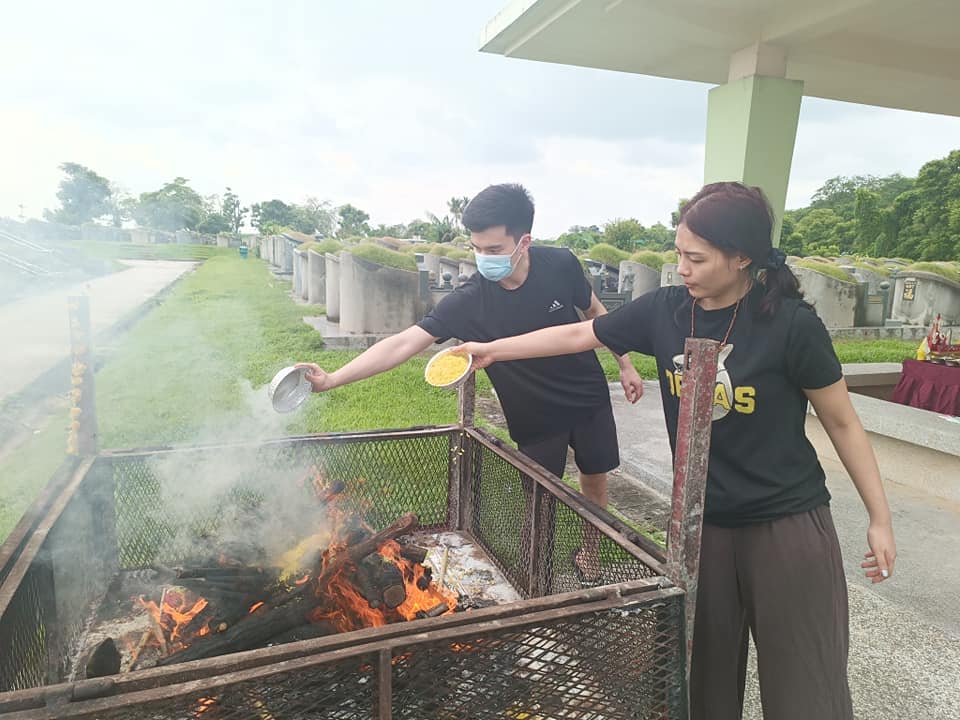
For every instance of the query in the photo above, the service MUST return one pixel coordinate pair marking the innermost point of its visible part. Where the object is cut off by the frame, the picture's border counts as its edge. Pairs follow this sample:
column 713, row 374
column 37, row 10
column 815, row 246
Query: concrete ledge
column 914, row 447
column 905, row 463
column 867, row 374
column 877, row 380
column 913, row 425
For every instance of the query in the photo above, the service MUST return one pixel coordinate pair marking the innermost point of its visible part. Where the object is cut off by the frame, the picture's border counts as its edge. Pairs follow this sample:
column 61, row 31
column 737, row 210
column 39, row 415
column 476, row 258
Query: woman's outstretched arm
column 557, row 340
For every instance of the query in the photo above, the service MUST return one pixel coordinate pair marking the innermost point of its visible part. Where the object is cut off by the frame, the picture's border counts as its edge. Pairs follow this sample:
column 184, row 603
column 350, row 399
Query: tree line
column 891, row 216
column 86, row 196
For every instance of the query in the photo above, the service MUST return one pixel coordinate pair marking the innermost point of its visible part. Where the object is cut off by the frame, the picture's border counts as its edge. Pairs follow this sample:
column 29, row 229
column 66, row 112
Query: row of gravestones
column 867, row 299
column 363, row 297
column 367, row 298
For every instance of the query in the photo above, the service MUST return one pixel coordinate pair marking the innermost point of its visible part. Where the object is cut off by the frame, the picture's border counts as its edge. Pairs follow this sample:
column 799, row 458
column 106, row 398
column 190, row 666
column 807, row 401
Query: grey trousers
column 783, row 582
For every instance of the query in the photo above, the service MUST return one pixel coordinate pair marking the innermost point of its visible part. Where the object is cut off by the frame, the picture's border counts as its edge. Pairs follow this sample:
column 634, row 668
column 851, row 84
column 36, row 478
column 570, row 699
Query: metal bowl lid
column 289, row 389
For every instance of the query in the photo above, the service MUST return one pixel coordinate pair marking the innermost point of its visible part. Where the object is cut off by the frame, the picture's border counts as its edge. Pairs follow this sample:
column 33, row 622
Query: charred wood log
column 104, row 660
column 365, row 581
column 254, row 631
column 413, row 553
column 436, row 611
column 336, row 560
column 224, row 574
column 391, row 580
column 303, row 632
column 423, row 582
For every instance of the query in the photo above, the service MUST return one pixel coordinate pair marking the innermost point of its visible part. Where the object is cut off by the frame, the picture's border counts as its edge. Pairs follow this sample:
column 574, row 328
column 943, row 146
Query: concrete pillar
column 299, row 273
column 467, row 268
column 637, row 279
column 752, row 125
column 432, row 263
column 304, row 274
column 375, row 299
column 333, row 287
column 316, row 278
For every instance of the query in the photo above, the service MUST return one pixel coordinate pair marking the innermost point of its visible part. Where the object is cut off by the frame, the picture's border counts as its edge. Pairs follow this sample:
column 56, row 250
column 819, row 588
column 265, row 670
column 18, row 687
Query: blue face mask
column 496, row 267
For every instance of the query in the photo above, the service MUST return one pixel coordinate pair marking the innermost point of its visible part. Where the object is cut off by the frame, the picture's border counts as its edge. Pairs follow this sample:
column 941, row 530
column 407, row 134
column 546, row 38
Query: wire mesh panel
column 624, row 660
column 345, row 690
column 23, row 642
column 534, row 536
column 499, row 498
column 169, row 504
column 621, row 663
column 569, row 533
column 81, row 552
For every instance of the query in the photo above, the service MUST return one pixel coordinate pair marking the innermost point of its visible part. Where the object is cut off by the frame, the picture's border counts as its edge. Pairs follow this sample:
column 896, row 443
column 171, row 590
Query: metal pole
column 82, row 435
column 690, row 472
column 460, row 503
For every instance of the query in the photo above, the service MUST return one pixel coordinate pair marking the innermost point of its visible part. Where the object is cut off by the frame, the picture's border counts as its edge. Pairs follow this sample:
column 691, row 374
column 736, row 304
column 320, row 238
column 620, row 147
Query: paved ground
column 34, row 330
column 905, row 633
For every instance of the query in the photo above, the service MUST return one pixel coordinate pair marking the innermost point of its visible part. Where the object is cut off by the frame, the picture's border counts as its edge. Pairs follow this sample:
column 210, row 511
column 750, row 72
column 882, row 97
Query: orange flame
column 347, row 609
column 202, row 705
column 256, row 606
column 173, row 616
column 417, row 599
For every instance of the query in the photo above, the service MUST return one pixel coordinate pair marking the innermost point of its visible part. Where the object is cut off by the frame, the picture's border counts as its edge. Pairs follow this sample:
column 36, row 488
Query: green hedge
column 328, row 245
column 649, row 258
column 382, row 256
column 607, row 254
column 944, row 270
column 872, row 266
column 458, row 254
column 825, row 268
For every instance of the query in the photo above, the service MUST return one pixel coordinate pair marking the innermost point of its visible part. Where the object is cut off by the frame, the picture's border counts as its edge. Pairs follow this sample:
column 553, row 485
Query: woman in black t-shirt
column 770, row 561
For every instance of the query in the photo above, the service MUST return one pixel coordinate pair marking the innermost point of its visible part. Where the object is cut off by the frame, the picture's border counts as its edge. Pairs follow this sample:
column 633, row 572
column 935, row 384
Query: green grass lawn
column 26, row 470
column 195, row 370
column 197, row 367
column 874, row 351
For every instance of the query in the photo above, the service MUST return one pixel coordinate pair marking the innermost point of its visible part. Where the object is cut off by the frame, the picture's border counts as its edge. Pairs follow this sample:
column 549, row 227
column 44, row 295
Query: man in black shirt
column 549, row 403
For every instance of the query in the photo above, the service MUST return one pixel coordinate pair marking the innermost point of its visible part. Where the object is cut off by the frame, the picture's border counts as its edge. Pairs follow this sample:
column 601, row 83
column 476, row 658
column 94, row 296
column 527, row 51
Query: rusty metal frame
column 642, row 548
column 677, row 567
column 87, row 697
column 694, row 425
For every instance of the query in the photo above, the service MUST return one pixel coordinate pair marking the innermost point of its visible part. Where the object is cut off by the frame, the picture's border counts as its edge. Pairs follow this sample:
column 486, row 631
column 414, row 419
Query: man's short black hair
column 508, row 204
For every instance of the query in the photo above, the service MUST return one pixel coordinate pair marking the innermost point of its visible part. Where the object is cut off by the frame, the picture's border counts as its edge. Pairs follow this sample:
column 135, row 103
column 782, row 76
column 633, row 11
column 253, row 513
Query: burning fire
column 417, row 600
column 355, row 585
column 173, row 617
column 352, row 611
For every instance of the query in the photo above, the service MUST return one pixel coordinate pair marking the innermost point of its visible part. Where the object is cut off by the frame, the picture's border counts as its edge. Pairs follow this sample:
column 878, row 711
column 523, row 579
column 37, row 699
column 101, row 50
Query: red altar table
column 929, row 386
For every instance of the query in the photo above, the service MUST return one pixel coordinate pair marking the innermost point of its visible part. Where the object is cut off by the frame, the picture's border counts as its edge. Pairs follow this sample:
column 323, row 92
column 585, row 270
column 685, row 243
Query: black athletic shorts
column 594, row 443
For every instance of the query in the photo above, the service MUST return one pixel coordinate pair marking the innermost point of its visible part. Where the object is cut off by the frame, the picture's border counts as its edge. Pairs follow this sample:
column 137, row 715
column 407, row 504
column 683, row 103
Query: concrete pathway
column 34, row 335
column 905, row 633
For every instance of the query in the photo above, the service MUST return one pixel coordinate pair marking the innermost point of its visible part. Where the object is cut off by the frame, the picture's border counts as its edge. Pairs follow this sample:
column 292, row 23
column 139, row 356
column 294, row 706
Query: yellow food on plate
column 446, row 368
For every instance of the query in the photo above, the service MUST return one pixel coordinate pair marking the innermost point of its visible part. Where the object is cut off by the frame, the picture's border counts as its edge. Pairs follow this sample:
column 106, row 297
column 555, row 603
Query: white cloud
column 391, row 109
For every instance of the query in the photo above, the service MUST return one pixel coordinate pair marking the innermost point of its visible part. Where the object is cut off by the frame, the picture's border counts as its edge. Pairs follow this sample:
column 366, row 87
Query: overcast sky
column 385, row 104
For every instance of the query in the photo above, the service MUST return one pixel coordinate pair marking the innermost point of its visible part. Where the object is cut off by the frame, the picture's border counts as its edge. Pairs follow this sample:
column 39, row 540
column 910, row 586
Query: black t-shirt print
column 761, row 464
column 541, row 396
